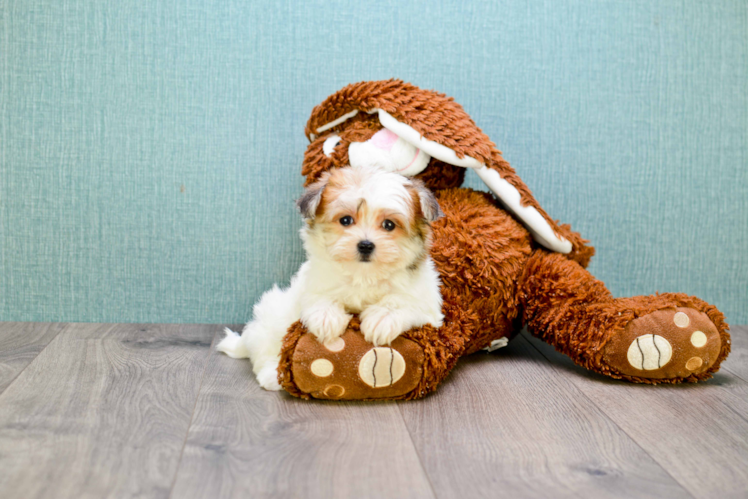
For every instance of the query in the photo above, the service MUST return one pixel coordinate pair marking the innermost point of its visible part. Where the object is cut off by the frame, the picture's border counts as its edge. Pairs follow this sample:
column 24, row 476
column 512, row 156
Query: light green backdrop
column 150, row 151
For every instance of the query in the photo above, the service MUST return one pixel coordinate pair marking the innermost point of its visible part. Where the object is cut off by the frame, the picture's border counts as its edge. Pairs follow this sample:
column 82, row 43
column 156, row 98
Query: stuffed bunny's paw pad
column 352, row 368
column 665, row 344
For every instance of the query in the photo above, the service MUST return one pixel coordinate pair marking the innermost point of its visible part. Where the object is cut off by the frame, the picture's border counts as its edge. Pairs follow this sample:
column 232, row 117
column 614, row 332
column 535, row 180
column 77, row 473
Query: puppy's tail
column 233, row 345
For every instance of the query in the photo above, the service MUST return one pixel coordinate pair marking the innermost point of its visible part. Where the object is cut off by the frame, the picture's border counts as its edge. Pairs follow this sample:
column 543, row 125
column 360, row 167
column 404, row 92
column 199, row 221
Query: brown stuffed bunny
column 504, row 264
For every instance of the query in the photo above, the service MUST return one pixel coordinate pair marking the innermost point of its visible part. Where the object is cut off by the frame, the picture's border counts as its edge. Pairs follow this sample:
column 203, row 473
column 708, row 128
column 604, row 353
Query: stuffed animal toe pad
column 352, row 368
column 666, row 344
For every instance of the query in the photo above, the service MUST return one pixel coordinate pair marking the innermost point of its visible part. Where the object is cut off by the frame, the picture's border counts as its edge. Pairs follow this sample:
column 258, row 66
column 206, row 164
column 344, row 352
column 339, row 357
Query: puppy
column 367, row 236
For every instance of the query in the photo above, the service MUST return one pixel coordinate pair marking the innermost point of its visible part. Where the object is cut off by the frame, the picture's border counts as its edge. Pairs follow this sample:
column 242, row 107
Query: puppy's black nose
column 365, row 247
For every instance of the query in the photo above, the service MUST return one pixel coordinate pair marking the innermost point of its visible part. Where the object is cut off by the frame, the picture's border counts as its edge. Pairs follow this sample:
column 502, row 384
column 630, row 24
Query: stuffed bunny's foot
column 352, row 368
column 665, row 344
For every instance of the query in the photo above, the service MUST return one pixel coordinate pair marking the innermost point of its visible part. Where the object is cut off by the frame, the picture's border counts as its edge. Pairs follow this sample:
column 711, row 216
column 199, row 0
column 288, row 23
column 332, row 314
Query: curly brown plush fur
column 495, row 278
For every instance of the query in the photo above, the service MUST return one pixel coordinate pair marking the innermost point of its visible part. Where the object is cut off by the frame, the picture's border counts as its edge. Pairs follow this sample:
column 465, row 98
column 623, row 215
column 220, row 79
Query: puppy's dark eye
column 388, row 225
column 346, row 221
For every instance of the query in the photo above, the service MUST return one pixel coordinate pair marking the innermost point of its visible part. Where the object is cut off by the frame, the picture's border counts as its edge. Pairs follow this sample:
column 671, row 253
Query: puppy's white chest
column 357, row 298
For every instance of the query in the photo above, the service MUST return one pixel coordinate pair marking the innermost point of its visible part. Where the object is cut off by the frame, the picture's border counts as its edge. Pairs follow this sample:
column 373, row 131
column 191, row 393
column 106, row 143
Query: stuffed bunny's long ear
column 539, row 224
column 425, row 124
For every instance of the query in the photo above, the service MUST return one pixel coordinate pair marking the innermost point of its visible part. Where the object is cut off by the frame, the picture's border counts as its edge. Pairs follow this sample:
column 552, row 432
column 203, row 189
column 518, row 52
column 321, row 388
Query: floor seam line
column 734, row 374
column 415, row 449
column 66, row 325
column 192, row 415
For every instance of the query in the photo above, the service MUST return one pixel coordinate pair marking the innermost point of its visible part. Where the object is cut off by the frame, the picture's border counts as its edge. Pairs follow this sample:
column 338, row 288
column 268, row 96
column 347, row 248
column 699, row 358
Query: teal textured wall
column 150, row 151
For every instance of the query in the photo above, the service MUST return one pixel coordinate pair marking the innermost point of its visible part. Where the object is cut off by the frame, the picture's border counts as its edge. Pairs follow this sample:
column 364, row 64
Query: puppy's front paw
column 380, row 325
column 268, row 379
column 326, row 323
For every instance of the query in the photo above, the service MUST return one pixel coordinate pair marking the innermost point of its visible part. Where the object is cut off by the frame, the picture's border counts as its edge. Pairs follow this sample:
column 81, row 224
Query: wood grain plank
column 698, row 433
column 737, row 362
column 247, row 442
column 103, row 411
column 20, row 343
column 506, row 425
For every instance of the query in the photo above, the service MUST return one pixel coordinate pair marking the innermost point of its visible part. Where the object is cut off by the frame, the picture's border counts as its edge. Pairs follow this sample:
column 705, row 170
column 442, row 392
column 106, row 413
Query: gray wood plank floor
column 20, row 343
column 94, row 410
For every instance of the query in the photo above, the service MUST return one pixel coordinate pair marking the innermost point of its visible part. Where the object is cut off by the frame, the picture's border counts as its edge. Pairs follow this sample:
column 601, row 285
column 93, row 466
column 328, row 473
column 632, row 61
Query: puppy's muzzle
column 365, row 249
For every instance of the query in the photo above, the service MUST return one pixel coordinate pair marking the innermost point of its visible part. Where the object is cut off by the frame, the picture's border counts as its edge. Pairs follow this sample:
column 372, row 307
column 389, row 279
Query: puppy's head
column 368, row 219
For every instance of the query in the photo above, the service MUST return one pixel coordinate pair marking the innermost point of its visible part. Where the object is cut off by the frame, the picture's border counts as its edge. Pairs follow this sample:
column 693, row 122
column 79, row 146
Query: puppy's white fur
column 394, row 289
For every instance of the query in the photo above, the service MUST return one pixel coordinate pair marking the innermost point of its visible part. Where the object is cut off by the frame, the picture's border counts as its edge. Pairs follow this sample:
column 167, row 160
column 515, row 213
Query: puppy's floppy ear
column 310, row 200
column 429, row 206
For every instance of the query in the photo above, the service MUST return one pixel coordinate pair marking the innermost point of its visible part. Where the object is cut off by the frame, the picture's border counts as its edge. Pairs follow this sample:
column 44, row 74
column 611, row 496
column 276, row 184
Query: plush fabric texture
column 495, row 277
